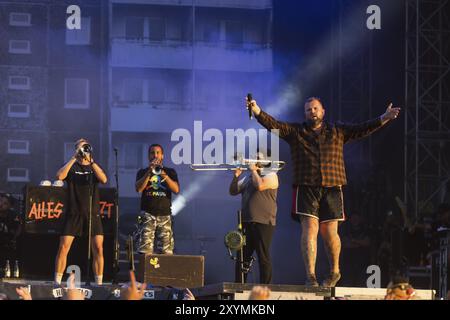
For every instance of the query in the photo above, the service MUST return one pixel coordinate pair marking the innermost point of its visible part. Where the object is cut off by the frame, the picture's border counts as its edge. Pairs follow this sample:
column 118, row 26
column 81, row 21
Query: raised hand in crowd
column 259, row 293
column 133, row 292
column 24, row 293
column 72, row 292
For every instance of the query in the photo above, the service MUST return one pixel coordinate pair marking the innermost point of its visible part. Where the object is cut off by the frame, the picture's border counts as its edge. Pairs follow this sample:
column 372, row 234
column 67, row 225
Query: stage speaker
column 180, row 271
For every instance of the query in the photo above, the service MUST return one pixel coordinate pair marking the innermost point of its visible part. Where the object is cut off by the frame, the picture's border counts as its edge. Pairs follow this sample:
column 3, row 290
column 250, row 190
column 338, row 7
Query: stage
column 46, row 290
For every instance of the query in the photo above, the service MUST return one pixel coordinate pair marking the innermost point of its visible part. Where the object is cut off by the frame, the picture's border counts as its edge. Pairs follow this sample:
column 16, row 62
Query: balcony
column 181, row 55
column 147, row 119
column 247, row 4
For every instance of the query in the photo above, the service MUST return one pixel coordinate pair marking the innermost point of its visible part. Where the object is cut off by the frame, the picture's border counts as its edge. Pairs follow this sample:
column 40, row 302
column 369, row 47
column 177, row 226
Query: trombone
column 243, row 164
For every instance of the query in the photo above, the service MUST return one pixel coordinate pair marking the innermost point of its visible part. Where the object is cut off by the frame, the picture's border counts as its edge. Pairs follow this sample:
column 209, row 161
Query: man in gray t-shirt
column 259, row 208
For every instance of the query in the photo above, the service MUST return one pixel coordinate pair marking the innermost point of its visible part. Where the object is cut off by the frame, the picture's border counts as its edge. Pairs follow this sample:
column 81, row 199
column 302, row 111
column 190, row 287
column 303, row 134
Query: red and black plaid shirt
column 318, row 158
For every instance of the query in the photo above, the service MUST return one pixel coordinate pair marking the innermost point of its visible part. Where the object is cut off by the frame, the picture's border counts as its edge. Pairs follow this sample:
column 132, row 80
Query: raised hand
column 390, row 114
column 188, row 295
column 253, row 106
column 24, row 293
column 132, row 292
column 259, row 293
column 72, row 292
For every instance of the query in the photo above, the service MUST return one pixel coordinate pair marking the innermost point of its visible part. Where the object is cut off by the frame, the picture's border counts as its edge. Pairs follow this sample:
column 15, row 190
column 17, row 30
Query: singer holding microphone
column 317, row 151
column 82, row 175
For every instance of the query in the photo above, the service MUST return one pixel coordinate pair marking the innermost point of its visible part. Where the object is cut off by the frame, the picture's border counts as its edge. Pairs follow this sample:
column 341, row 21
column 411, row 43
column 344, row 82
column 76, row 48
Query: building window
column 156, row 91
column 134, row 28
column 156, row 29
column 234, row 33
column 19, row 19
column 19, row 83
column 18, row 175
column 174, row 30
column 133, row 90
column 132, row 156
column 18, row 147
column 76, row 94
column 20, row 46
column 18, row 110
column 80, row 37
column 175, row 94
column 208, row 92
column 69, row 151
column 254, row 34
column 211, row 31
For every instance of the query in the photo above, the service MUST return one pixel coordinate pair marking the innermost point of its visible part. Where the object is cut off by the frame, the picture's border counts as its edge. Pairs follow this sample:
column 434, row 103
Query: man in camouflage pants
column 156, row 183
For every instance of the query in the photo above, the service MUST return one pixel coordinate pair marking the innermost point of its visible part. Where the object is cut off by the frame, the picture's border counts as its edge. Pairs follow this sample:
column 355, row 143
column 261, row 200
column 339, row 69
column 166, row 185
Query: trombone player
column 259, row 209
column 156, row 185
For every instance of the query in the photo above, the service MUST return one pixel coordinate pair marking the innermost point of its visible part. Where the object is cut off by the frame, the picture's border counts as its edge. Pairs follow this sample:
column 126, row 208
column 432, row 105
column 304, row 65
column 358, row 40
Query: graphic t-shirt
column 156, row 198
column 78, row 180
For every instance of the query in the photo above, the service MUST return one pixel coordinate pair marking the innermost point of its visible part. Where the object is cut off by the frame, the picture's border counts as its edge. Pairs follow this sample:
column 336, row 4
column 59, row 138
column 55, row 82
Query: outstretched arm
column 267, row 121
column 358, row 131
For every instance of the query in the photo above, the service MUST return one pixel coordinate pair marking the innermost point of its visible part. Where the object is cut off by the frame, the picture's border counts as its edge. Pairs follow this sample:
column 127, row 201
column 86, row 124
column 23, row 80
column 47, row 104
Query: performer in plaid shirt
column 317, row 155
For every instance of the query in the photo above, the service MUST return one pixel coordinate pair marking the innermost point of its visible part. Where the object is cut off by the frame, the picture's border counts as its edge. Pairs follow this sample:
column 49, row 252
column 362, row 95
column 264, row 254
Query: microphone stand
column 88, row 267
column 116, row 268
column 241, row 252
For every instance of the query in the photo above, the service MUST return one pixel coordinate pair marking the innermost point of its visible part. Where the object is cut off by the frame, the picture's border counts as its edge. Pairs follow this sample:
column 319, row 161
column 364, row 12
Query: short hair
column 155, row 145
column 311, row 99
column 80, row 141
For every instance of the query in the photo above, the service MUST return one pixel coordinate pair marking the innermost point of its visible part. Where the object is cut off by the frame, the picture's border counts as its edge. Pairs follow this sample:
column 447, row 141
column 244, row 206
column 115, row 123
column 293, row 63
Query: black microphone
column 249, row 99
column 115, row 150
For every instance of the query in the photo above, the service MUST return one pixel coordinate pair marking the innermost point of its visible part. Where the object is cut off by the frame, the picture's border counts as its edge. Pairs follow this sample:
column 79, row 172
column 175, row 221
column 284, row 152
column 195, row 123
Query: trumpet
column 84, row 150
column 242, row 164
column 157, row 170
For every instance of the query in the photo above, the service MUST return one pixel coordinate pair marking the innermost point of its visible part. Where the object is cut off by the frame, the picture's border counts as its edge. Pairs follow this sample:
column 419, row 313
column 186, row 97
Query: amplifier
column 180, row 271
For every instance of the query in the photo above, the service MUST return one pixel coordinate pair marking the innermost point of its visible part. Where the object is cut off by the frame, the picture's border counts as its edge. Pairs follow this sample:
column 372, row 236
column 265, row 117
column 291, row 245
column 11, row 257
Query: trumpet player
column 82, row 175
column 156, row 185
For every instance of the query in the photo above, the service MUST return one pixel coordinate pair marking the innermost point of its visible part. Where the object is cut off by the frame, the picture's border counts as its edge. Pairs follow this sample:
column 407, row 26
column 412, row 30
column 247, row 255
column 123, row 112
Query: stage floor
column 46, row 290
column 236, row 291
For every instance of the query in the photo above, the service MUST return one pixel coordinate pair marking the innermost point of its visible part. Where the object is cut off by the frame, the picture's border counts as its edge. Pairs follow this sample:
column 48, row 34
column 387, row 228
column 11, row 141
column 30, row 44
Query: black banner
column 45, row 209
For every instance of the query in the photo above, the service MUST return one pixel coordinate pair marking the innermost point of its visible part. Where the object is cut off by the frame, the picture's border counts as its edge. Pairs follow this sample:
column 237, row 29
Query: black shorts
column 77, row 226
column 322, row 203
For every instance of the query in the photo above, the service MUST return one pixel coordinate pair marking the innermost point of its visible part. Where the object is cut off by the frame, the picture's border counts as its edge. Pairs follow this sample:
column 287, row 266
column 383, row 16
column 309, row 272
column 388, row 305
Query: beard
column 315, row 122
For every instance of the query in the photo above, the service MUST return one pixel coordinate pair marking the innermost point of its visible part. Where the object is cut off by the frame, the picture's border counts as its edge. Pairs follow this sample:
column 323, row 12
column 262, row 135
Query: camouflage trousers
column 155, row 229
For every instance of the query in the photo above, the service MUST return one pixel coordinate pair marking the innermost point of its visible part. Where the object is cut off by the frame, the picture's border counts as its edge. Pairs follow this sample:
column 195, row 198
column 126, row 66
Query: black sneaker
column 332, row 279
column 311, row 281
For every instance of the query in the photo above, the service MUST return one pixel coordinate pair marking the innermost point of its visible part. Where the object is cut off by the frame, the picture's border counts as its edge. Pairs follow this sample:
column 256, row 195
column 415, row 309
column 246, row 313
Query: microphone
column 249, row 99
